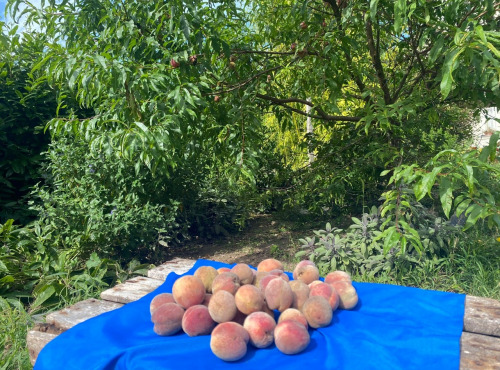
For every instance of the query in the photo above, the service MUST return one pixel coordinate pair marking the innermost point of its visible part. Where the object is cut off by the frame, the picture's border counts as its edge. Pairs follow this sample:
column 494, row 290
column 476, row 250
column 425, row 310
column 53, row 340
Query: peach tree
column 170, row 83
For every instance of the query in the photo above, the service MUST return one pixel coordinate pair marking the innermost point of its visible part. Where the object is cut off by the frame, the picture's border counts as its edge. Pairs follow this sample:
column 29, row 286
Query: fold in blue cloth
column 392, row 327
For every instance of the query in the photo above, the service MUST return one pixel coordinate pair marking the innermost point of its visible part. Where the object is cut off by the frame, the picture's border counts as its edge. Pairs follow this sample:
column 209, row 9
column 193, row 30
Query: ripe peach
column 160, row 299
column 265, row 280
column 348, row 297
column 306, row 273
column 337, row 276
column 280, row 273
column 301, row 264
column 300, row 293
column 229, row 341
column 278, row 295
column 197, row 321
column 269, row 264
column 260, row 327
column 258, row 277
column 227, row 281
column 220, row 270
column 174, row 63
column 244, row 272
column 313, row 283
column 291, row 337
column 328, row 292
column 265, row 308
column 293, row 314
column 317, row 311
column 206, row 274
column 167, row 319
column 222, row 306
column 188, row 291
column 249, row 299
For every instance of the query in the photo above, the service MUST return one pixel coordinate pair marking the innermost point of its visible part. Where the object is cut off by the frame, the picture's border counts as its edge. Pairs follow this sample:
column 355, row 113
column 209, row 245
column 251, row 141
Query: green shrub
column 360, row 249
column 99, row 203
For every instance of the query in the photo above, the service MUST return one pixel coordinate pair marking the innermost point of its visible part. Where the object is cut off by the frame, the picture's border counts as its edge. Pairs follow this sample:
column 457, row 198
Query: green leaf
column 470, row 177
column 373, row 10
column 447, row 72
column 399, row 14
column 436, row 49
column 141, row 126
column 424, row 186
column 446, row 195
column 43, row 294
column 492, row 146
column 185, row 26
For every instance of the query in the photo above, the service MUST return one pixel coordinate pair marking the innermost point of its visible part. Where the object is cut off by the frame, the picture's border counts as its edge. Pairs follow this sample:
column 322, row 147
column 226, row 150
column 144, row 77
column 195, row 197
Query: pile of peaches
column 236, row 306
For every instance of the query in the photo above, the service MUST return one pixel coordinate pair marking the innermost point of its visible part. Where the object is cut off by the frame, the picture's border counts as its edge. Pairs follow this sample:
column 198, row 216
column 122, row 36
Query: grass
column 473, row 268
column 14, row 321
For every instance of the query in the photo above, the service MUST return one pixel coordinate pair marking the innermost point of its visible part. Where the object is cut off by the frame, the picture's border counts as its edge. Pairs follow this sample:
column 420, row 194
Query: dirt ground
column 265, row 236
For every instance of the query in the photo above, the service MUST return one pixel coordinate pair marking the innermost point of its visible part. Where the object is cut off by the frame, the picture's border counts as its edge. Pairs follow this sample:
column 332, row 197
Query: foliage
column 14, row 321
column 467, row 182
column 367, row 67
column 360, row 250
column 24, row 110
column 33, row 269
column 473, row 267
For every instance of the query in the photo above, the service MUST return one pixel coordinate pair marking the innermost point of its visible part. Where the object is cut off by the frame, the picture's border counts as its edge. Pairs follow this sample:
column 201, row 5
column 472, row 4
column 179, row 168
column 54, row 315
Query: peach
column 293, row 314
column 167, row 319
column 300, row 293
column 265, row 308
column 207, row 275
column 222, row 306
column 269, row 265
column 317, row 311
column 328, row 292
column 265, row 280
column 197, row 321
column 244, row 272
column 348, row 297
column 249, row 299
column 306, row 273
column 278, row 295
column 220, row 270
column 260, row 327
column 160, row 299
column 313, row 283
column 258, row 277
column 291, row 337
column 229, row 341
column 335, row 276
column 280, row 273
column 227, row 281
column 300, row 265
column 188, row 291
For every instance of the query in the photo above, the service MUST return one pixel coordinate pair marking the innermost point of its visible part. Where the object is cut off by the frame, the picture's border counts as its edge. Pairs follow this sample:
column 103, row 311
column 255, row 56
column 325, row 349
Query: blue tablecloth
column 392, row 327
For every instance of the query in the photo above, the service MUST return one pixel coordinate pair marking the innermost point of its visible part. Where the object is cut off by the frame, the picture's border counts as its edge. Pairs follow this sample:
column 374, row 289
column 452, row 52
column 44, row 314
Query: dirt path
column 264, row 237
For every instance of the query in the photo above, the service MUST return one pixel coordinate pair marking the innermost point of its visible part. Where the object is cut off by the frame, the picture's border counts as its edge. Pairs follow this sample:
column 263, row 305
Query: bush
column 360, row 250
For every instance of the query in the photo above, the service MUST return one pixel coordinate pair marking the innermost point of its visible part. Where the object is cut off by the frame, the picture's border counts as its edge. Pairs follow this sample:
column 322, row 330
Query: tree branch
column 377, row 64
column 403, row 81
column 352, row 71
column 322, row 115
column 262, row 52
column 243, row 83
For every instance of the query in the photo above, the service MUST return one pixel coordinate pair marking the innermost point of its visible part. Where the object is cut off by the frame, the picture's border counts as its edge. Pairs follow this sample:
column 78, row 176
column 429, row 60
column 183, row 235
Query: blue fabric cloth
column 392, row 327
